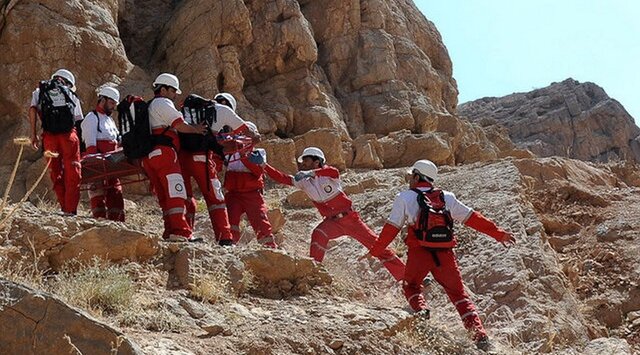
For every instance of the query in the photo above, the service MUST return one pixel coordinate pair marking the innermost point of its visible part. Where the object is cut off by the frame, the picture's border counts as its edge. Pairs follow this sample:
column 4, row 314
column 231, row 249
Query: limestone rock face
column 572, row 119
column 41, row 37
column 34, row 322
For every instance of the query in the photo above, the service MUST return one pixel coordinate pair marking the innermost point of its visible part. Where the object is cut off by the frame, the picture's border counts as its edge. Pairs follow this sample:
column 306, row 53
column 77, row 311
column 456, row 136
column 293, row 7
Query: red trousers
column 420, row 263
column 194, row 165
column 352, row 225
column 252, row 203
column 163, row 169
column 66, row 169
column 106, row 196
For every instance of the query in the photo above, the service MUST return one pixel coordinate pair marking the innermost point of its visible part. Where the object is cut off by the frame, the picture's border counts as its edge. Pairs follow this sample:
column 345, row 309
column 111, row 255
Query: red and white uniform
column 163, row 168
column 325, row 190
column 204, row 170
column 244, row 183
column 65, row 171
column 100, row 135
column 441, row 263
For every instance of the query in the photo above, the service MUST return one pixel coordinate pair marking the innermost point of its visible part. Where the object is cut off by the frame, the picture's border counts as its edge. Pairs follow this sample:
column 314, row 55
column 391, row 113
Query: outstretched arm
column 278, row 176
column 388, row 234
column 482, row 224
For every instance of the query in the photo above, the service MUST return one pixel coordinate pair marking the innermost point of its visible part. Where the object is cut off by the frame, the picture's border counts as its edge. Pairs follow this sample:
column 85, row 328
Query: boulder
column 34, row 322
column 112, row 242
column 281, row 154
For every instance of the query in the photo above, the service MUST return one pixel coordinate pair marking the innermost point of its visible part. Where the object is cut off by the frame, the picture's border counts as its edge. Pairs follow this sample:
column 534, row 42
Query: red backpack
column 434, row 228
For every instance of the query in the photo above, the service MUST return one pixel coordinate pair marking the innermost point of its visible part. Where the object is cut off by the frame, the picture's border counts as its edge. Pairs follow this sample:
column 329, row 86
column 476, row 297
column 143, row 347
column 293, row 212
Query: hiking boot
column 427, row 282
column 177, row 238
column 194, row 239
column 424, row 314
column 484, row 344
column 225, row 242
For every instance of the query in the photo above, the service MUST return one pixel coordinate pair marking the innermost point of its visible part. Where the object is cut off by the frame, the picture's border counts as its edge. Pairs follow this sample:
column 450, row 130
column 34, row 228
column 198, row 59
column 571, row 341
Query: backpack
column 434, row 228
column 200, row 110
column 78, row 125
column 133, row 117
column 56, row 106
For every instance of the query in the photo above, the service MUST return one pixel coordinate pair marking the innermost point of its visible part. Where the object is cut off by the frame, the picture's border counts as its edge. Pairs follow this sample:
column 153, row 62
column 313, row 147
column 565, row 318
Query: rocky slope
column 571, row 119
column 570, row 284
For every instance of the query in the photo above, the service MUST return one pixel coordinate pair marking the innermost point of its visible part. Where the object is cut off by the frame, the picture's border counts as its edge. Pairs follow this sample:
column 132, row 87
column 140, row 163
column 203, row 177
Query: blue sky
column 499, row 47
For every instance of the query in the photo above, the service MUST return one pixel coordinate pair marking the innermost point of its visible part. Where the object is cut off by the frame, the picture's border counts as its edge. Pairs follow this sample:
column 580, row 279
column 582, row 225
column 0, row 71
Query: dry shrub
column 151, row 315
column 432, row 337
column 207, row 285
column 99, row 287
column 23, row 272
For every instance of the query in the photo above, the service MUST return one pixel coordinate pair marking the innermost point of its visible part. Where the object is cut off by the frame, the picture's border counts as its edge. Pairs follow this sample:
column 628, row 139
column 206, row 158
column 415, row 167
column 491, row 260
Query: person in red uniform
column 162, row 165
column 321, row 183
column 434, row 256
column 244, row 182
column 100, row 135
column 205, row 169
column 58, row 108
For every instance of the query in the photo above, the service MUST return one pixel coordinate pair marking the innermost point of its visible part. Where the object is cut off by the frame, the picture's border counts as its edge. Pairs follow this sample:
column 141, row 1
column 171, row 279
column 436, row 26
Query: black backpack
column 133, row 117
column 200, row 110
column 56, row 106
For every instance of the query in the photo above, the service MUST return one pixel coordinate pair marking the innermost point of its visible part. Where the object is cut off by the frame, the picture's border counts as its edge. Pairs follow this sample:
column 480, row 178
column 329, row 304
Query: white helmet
column 252, row 126
column 426, row 168
column 66, row 75
column 168, row 80
column 226, row 96
column 311, row 152
column 110, row 92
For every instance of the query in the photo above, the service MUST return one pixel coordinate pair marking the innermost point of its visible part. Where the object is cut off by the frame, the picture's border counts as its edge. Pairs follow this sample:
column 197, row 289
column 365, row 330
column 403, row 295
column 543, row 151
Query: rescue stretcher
column 101, row 167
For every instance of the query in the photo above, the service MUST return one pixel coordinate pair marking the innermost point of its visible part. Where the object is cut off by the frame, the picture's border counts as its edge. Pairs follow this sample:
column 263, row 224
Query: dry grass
column 433, row 337
column 149, row 314
column 209, row 286
column 101, row 288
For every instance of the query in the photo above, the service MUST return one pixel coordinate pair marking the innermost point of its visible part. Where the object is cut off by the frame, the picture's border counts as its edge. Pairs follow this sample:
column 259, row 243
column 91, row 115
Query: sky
column 499, row 47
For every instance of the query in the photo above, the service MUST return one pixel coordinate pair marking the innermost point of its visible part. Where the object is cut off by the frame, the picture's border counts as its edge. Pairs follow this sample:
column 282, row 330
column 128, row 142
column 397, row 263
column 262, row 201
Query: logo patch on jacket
column 328, row 188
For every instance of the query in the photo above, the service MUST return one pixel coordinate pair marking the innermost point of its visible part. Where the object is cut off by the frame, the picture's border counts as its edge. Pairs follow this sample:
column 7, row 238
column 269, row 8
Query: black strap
column 97, row 117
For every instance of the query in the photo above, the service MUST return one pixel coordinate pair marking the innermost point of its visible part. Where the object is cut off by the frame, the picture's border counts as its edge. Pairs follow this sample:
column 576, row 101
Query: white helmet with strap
column 66, row 75
column 425, row 168
column 168, row 80
column 109, row 92
column 312, row 152
column 221, row 97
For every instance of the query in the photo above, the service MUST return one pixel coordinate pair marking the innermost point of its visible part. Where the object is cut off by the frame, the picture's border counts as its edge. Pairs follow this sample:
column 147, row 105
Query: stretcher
column 101, row 167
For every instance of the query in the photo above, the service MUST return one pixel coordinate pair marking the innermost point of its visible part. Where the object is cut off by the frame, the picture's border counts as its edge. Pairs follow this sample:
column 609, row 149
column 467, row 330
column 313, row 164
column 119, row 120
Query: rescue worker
column 322, row 184
column 162, row 165
column 431, row 255
column 204, row 169
column 58, row 108
column 100, row 135
column 244, row 183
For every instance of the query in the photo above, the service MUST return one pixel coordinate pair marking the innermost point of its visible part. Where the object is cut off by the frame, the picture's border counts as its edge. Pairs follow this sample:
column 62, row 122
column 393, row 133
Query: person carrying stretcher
column 100, row 135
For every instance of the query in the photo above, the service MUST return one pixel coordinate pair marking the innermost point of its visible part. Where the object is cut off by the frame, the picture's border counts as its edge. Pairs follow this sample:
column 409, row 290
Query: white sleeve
column 398, row 215
column 263, row 153
column 167, row 112
column 89, row 129
column 226, row 117
column 459, row 211
column 77, row 111
column 35, row 98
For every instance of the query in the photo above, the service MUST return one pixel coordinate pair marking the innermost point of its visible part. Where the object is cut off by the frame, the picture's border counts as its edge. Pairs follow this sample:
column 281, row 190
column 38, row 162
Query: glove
column 256, row 158
column 301, row 175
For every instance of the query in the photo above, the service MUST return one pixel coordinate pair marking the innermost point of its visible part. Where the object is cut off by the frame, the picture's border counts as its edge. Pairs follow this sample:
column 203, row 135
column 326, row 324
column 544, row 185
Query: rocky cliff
column 350, row 67
column 571, row 119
